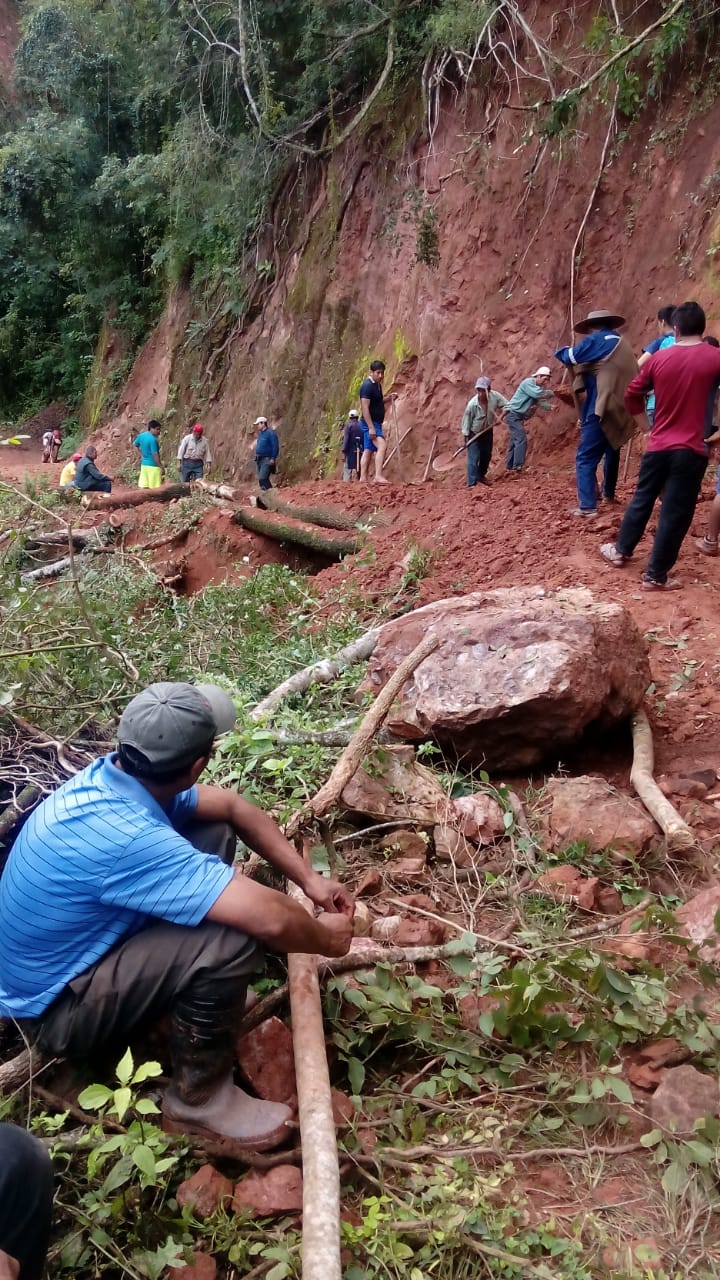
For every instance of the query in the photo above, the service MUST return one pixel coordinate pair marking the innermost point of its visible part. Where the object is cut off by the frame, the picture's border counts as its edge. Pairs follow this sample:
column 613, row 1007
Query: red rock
column 608, row 900
column 265, row 1057
column 588, row 809
column 684, row 1096
column 371, row 883
column 368, row 1140
column 691, row 788
column 626, row 952
column 205, row 1191
column 265, row 1195
column 202, row 1267
column 406, row 868
column 362, row 920
column 504, row 653
column 406, row 843
column 567, row 884
column 419, row 932
column 398, row 787
column 667, row 1052
column 697, row 921
column 422, row 900
column 451, row 846
column 384, row 929
column 479, row 817
column 643, row 1076
column 641, row 1257
column 471, row 1007
column 343, row 1109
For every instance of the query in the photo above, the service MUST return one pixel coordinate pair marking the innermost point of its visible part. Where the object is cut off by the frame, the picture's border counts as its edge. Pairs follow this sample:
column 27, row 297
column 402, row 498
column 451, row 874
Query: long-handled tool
column 444, row 461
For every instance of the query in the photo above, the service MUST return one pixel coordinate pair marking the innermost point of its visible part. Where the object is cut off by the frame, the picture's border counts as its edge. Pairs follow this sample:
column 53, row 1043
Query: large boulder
column 519, row 673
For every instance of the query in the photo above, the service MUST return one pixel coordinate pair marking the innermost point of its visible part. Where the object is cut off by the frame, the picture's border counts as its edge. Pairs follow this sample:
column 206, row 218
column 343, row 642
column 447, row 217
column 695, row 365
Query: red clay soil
column 442, row 539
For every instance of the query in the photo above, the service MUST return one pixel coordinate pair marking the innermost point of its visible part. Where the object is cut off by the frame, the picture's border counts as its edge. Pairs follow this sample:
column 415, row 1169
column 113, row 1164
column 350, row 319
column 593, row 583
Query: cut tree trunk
column 287, row 529
column 321, row 1173
column 325, row 517
column 107, row 502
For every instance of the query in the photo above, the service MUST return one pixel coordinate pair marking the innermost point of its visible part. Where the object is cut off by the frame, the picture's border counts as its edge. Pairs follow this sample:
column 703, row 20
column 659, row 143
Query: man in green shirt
column 478, row 419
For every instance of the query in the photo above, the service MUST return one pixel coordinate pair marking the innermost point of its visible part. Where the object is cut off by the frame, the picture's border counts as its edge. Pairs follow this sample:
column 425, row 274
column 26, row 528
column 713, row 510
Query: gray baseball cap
column 483, row 383
column 172, row 723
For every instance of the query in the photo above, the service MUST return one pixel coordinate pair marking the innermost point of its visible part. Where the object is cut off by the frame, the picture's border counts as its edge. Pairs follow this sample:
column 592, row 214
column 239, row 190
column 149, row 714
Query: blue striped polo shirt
column 97, row 861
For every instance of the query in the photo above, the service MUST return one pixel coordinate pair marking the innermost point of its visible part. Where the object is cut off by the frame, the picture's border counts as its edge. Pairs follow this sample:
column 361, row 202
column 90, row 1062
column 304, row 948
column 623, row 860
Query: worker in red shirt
column 685, row 378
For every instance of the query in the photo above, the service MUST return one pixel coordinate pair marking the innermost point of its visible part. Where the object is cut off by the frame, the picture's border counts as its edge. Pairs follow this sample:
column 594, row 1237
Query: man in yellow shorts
column 151, row 471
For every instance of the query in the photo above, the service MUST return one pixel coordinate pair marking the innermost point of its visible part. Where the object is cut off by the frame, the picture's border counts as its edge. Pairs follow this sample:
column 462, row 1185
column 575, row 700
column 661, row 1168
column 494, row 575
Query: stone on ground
column 265, row 1057
column 518, row 674
column 683, row 1096
column 398, row 787
column 697, row 921
column 265, row 1195
column 205, row 1191
column 588, row 809
column 479, row 817
column 567, row 884
column 202, row 1267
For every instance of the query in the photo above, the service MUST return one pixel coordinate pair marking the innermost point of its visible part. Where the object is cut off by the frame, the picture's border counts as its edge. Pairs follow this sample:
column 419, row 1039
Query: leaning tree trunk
column 286, row 529
column 326, row 517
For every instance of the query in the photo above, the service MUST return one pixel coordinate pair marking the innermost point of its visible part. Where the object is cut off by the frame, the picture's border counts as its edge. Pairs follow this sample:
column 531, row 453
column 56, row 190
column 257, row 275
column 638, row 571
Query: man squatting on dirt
column 119, row 903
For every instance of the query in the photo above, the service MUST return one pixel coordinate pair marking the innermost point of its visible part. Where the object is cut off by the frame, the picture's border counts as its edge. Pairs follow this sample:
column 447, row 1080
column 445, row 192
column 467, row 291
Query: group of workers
column 193, row 455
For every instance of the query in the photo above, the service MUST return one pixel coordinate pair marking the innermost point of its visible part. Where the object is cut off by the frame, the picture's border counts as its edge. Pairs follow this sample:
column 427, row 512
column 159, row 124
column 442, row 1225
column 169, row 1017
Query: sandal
column 707, row 546
column 649, row 584
column 609, row 552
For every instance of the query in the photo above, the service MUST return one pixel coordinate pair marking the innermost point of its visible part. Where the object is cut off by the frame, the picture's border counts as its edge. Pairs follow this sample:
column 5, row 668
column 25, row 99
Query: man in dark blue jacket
column 267, row 450
column 88, row 479
column 599, row 344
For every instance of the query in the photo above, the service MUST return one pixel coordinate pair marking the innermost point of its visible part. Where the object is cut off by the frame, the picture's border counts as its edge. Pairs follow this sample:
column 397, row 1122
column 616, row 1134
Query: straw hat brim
column 590, row 322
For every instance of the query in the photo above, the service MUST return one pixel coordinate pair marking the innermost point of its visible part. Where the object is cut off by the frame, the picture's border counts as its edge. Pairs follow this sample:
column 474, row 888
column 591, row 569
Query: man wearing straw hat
column 603, row 365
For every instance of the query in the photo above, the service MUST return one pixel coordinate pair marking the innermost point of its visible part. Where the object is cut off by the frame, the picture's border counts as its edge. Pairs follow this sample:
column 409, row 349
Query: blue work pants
column 593, row 447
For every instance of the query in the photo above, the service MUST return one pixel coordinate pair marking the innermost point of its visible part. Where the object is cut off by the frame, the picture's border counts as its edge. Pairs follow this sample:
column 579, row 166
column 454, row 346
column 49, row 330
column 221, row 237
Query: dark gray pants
column 26, row 1194
column 140, row 978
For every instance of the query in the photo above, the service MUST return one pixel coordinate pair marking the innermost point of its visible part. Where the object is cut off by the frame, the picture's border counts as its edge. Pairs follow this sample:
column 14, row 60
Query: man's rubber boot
column 203, row 1099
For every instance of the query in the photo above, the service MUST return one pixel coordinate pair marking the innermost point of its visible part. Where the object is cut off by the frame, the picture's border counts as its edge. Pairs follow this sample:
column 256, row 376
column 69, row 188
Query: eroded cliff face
column 508, row 207
column 9, row 35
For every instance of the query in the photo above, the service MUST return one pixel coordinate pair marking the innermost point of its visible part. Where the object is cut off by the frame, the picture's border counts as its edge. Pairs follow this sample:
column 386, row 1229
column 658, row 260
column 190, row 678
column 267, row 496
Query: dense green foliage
column 148, row 143
column 135, row 160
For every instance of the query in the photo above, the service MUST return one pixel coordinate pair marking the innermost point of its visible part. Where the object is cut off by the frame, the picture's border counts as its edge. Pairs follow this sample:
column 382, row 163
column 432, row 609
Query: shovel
column 445, row 461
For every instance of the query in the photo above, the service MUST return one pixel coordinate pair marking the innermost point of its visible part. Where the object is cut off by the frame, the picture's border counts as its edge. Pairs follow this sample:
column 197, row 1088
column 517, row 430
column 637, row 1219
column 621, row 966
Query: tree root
column 677, row 833
column 323, row 672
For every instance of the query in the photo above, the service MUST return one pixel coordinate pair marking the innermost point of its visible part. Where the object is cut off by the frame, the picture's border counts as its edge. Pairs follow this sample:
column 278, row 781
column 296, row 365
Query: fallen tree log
column 108, row 502
column 287, row 529
column 325, row 517
column 78, row 537
column 47, row 571
column 677, row 833
column 353, row 755
column 323, row 672
column 321, row 1171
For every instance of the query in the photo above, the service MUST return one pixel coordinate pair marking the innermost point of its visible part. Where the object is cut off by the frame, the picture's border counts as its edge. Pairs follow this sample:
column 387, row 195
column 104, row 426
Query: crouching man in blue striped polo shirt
column 119, row 903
